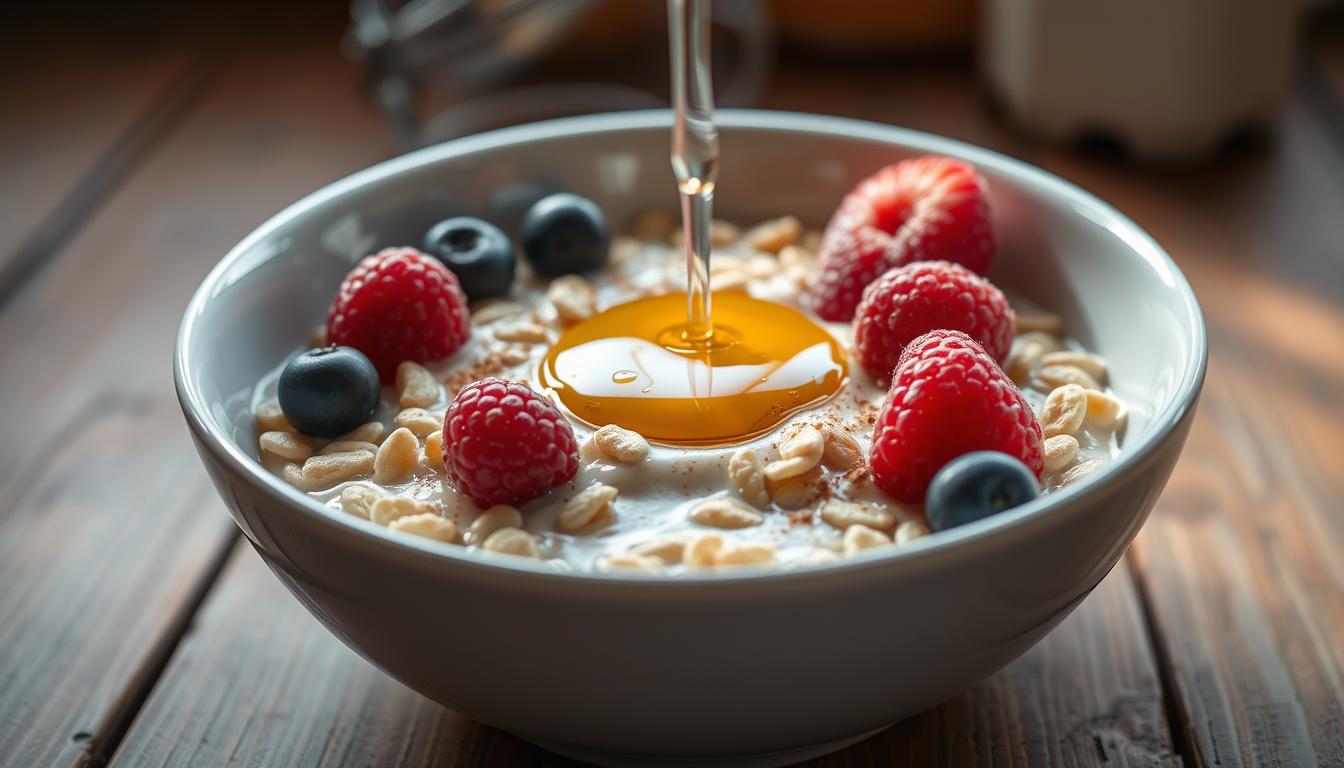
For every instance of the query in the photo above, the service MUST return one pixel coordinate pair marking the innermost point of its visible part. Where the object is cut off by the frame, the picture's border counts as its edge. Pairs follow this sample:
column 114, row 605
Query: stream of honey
column 694, row 368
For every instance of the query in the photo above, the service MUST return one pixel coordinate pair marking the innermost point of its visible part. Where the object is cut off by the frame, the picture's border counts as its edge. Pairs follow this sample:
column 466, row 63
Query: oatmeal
column 798, row 495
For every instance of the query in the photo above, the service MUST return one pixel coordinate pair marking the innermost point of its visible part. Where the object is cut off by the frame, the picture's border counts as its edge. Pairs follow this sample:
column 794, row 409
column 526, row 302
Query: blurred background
column 1150, row 80
column 1178, row 93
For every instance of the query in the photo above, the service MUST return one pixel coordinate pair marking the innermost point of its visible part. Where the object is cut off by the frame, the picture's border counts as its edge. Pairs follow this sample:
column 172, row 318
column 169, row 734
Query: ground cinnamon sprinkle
column 868, row 413
column 824, row 490
column 489, row 365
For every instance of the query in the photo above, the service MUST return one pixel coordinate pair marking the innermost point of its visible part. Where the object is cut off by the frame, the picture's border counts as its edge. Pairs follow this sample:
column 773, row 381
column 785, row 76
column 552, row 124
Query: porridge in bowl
column 483, row 427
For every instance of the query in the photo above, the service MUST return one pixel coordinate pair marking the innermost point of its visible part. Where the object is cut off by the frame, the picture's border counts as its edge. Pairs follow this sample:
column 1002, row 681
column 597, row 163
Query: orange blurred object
column 613, row 23
column 832, row 24
column 868, row 24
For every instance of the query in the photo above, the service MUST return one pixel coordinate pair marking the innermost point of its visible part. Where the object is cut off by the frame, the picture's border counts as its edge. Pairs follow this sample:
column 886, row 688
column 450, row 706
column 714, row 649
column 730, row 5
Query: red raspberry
column 505, row 444
column 916, row 210
column 399, row 304
column 925, row 296
column 948, row 398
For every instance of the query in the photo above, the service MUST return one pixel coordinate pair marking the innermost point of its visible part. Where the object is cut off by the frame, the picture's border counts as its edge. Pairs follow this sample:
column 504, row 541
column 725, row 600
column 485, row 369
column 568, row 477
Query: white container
column 1170, row 79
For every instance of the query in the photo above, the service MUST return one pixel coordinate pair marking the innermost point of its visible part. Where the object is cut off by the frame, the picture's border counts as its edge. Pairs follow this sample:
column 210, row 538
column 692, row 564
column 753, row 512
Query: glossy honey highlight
column 632, row 366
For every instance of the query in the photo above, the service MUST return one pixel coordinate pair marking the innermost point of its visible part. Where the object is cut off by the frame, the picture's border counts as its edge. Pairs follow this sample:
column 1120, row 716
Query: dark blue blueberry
column 477, row 252
column 975, row 486
column 563, row 234
column 328, row 391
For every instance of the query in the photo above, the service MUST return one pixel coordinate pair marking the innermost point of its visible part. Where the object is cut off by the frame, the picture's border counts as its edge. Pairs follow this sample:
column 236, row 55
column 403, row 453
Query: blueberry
column 477, row 252
column 328, row 391
column 975, row 486
column 564, row 234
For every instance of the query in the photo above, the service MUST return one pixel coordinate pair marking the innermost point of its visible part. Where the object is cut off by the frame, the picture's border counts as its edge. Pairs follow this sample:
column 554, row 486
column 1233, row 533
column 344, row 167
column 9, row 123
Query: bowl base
column 754, row 760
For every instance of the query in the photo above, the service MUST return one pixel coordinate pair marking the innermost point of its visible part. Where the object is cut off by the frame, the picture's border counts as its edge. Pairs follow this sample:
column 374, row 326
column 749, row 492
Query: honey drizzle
column 620, row 367
column 708, row 375
column 695, row 153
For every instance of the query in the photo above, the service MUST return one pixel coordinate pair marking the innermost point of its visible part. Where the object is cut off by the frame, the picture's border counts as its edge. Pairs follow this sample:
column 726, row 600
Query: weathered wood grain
column 1087, row 695
column 109, row 530
column 1242, row 562
column 260, row 682
column 76, row 124
column 1249, row 619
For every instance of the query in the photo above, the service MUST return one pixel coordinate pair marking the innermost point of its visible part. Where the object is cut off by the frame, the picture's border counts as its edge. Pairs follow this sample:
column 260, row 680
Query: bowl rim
column 990, row 533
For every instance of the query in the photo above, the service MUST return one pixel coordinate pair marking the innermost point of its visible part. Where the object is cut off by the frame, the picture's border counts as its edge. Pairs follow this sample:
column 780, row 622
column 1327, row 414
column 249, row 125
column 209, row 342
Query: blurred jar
column 1169, row 79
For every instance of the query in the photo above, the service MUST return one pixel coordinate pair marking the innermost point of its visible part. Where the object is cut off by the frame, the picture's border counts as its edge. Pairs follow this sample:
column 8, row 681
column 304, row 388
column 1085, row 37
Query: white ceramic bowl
column 767, row 666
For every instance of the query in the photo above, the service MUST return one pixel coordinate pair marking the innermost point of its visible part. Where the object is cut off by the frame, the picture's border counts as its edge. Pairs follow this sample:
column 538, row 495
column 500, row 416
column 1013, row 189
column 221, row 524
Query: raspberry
column 915, row 210
column 948, row 398
column 505, row 444
column 399, row 304
column 925, row 296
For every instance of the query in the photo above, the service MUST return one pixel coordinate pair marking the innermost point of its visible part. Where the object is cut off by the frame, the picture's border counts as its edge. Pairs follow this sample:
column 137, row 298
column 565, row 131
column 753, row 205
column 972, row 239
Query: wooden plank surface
column 76, row 123
column 110, row 531
column 260, row 682
column 1243, row 560
column 1087, row 695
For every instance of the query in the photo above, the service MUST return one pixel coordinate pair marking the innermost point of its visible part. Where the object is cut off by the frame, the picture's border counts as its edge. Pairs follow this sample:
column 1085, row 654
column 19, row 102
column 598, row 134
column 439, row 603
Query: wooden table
column 136, row 628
